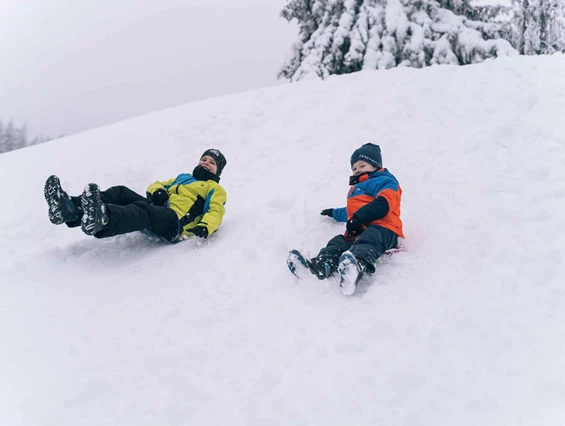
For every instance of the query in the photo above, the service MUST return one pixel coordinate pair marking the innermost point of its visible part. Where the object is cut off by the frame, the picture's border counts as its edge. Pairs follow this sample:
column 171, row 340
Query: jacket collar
column 354, row 180
column 200, row 173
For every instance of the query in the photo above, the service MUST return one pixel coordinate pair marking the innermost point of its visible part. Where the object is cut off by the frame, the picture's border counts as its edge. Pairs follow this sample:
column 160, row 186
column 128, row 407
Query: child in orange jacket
column 373, row 224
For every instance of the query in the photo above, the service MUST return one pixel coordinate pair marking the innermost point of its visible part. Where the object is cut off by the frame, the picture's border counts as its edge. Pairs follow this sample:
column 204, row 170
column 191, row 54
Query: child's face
column 209, row 164
column 362, row 167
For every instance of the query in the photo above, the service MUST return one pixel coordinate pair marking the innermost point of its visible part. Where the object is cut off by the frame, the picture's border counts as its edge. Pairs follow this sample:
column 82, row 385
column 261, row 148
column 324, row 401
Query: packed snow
column 465, row 327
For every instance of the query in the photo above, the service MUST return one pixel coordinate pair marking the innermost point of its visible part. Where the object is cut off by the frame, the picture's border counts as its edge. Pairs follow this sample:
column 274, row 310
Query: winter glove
column 328, row 212
column 159, row 197
column 354, row 227
column 200, row 231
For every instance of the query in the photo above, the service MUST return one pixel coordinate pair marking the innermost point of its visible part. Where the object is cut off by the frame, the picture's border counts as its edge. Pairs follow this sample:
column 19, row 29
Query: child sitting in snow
column 373, row 224
column 190, row 204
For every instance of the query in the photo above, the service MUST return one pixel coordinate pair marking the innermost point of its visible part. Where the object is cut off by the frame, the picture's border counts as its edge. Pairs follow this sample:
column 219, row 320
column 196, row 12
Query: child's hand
column 200, row 231
column 328, row 212
column 159, row 197
column 354, row 226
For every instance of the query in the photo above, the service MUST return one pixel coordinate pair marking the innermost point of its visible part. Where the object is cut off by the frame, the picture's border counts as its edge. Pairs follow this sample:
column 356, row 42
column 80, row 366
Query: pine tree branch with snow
column 344, row 36
column 538, row 26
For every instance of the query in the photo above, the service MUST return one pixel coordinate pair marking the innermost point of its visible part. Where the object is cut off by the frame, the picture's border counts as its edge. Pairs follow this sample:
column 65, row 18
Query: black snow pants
column 129, row 212
column 367, row 248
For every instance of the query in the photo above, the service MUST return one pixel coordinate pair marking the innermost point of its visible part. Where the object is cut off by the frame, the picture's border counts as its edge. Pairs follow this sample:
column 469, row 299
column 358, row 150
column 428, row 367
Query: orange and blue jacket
column 371, row 186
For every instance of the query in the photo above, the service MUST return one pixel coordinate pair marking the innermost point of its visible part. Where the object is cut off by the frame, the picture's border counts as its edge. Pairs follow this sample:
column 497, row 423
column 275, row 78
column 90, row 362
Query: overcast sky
column 67, row 66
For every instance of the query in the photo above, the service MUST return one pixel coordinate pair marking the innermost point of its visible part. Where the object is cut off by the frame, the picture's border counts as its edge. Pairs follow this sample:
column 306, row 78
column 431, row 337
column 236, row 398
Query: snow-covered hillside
column 465, row 328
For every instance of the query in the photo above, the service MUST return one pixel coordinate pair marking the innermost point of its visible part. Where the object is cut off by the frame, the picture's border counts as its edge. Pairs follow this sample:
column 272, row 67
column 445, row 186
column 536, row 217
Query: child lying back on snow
column 190, row 204
column 373, row 224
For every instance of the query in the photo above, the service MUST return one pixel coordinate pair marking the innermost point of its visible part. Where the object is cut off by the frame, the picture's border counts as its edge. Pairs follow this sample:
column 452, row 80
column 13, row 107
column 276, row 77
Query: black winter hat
column 370, row 153
column 219, row 157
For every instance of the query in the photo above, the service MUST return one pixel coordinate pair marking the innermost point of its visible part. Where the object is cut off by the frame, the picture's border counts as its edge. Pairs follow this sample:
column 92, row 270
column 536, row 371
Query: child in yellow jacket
column 190, row 204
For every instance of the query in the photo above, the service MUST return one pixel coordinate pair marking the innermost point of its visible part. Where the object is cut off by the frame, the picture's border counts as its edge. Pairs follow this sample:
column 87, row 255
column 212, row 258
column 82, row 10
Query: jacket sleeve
column 389, row 190
column 159, row 185
column 392, row 197
column 214, row 209
column 340, row 214
column 376, row 209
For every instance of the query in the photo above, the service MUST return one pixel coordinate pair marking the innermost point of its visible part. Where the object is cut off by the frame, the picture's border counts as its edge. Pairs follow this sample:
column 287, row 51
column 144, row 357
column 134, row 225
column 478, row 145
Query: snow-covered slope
column 467, row 327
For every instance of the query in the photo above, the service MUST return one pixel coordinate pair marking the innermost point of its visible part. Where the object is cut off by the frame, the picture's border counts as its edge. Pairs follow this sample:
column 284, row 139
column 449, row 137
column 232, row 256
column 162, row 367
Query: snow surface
column 465, row 328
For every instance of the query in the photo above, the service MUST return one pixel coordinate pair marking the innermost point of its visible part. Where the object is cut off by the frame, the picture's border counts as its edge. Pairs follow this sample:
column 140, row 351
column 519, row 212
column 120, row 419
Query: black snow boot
column 95, row 217
column 322, row 267
column 61, row 206
column 318, row 266
column 351, row 270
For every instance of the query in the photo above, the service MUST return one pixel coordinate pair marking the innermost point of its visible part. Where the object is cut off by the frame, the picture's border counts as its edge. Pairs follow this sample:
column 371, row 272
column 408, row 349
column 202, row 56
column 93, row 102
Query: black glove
column 200, row 231
column 354, row 227
column 159, row 197
column 328, row 212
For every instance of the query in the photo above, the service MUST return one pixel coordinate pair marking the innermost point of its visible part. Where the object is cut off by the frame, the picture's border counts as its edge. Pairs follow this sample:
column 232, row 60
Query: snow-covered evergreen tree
column 40, row 139
column 8, row 138
column 12, row 137
column 343, row 36
column 2, row 137
column 539, row 26
column 21, row 136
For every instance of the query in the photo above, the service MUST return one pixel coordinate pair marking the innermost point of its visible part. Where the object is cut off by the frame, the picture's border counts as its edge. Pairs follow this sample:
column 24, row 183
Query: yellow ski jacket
column 194, row 201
